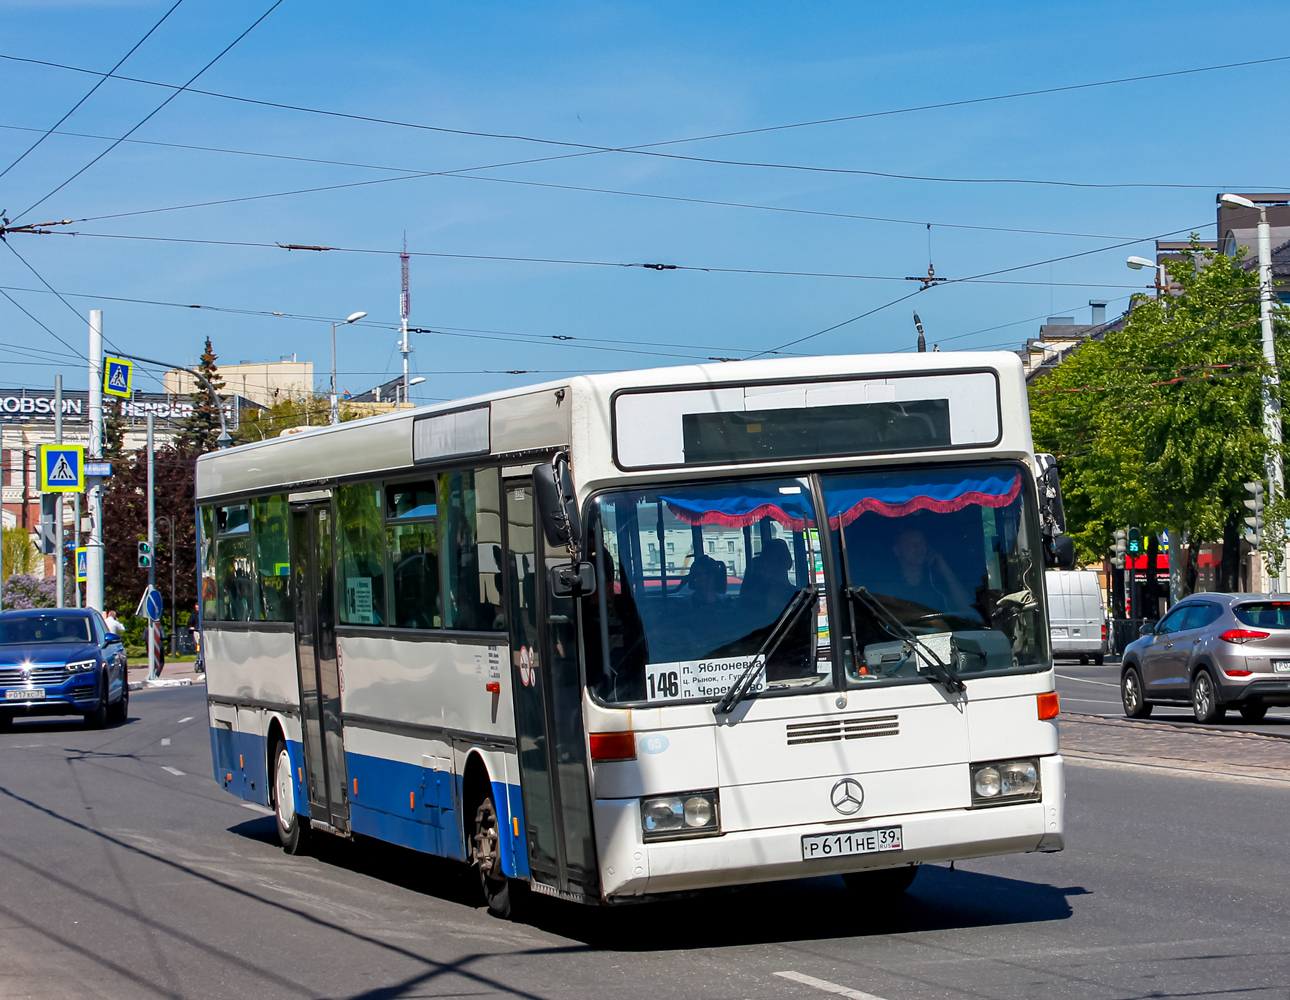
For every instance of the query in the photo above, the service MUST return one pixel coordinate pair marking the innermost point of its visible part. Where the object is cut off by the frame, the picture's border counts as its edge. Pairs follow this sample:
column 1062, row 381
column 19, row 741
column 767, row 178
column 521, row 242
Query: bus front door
column 315, row 606
column 548, row 712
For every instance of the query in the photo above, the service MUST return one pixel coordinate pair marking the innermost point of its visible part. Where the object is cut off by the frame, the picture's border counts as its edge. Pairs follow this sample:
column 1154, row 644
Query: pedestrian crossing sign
column 117, row 373
column 82, row 565
column 62, row 468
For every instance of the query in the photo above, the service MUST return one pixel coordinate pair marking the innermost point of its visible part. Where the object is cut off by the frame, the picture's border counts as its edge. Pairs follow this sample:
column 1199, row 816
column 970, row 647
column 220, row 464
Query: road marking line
column 255, row 807
column 175, row 771
column 186, row 718
column 826, row 986
column 165, row 742
column 1085, row 680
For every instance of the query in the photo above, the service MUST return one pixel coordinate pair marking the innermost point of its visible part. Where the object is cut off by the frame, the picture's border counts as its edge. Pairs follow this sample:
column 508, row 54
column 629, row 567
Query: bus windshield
column 950, row 555
column 695, row 582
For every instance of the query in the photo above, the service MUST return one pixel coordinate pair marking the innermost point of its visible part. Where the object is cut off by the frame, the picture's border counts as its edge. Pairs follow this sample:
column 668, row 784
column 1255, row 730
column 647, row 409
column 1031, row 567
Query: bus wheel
column 887, row 882
column 487, row 851
column 292, row 833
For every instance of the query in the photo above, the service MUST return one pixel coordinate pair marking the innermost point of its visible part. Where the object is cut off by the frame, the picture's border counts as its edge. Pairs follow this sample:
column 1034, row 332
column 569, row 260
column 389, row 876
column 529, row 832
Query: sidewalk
column 172, row 675
column 1202, row 753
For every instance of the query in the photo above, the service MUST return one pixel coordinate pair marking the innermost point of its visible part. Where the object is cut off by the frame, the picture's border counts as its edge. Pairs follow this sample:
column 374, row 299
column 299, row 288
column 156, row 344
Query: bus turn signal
column 613, row 746
column 1048, row 707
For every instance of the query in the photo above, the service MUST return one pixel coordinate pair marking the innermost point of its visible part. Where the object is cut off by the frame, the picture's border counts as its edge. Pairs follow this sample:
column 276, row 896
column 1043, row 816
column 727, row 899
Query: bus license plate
column 25, row 694
column 849, row 842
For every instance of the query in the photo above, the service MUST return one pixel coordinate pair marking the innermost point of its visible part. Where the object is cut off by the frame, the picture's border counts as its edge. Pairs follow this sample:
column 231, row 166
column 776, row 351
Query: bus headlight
column 690, row 814
column 1003, row 781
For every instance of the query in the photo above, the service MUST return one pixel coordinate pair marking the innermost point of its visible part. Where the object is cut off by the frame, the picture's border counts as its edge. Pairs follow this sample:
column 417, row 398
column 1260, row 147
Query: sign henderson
column 39, row 405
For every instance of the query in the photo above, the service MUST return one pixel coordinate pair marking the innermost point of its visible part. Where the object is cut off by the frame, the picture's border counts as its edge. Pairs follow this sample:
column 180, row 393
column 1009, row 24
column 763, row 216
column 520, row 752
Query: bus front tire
column 885, row 882
column 292, row 830
column 486, row 849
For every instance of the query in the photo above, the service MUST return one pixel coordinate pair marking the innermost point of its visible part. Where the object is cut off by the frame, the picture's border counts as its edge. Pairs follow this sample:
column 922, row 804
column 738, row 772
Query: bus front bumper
column 630, row 868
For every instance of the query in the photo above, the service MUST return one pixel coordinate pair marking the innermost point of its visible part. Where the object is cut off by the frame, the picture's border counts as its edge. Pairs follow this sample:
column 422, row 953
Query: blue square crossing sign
column 117, row 373
column 62, row 468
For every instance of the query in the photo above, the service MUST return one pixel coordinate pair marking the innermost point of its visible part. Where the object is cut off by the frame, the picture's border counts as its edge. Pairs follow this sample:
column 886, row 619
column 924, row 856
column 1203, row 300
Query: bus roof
column 579, row 414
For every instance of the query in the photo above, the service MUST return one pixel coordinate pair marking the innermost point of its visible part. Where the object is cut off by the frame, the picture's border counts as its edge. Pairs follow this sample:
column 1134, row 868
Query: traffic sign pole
column 58, row 501
column 94, row 555
column 152, row 562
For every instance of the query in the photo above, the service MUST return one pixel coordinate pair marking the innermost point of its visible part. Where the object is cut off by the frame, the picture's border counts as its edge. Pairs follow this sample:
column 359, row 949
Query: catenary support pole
column 94, row 494
column 152, row 544
column 76, row 534
column 1271, row 385
column 59, row 581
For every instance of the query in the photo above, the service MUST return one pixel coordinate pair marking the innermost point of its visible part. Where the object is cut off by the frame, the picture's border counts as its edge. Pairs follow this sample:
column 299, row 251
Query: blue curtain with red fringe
column 889, row 495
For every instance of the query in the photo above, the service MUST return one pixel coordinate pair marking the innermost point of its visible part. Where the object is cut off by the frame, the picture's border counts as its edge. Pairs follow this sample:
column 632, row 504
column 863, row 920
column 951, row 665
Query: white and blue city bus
column 652, row 631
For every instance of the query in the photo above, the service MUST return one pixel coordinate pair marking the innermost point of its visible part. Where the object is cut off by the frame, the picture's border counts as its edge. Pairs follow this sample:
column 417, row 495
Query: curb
column 160, row 682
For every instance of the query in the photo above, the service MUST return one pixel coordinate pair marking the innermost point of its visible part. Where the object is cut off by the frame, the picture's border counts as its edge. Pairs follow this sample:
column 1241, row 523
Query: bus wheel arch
column 293, row 829
column 482, row 836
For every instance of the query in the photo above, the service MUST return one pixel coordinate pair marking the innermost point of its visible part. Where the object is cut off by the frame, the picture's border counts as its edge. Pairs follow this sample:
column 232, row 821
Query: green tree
column 311, row 411
column 1161, row 423
column 19, row 555
column 200, row 431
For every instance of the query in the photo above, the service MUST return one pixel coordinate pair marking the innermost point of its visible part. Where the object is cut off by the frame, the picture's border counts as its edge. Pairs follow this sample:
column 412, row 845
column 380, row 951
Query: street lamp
column 1138, row 263
column 335, row 405
column 1271, row 404
column 407, row 399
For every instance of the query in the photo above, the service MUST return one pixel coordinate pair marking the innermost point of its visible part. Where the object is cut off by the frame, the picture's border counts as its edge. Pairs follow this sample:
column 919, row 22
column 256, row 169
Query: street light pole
column 1271, row 382
column 335, row 403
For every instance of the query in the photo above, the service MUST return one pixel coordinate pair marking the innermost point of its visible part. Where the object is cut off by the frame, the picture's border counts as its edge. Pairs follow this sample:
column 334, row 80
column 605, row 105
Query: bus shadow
column 773, row 912
column 801, row 910
column 427, row 874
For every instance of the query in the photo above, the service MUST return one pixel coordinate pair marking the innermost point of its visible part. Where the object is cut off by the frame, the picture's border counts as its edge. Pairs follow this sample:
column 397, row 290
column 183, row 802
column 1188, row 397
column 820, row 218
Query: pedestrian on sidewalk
column 114, row 624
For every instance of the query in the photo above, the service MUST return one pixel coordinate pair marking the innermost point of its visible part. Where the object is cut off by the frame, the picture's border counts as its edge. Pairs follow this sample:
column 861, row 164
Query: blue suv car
column 61, row 662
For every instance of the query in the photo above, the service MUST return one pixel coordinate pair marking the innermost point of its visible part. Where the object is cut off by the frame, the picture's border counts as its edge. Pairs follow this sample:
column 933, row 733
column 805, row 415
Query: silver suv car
column 1216, row 651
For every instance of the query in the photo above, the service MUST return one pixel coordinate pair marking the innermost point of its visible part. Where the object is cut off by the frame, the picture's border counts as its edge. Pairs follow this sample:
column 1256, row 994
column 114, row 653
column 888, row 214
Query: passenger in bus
column 707, row 581
column 920, row 573
column 766, row 588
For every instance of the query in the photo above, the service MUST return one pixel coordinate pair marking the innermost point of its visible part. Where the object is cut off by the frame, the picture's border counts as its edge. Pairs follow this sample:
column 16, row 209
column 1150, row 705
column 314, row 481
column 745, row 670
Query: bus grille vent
column 836, row 730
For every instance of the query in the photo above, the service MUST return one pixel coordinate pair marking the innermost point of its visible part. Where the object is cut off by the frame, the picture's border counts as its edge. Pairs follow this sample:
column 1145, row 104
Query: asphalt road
column 127, row 872
column 1094, row 690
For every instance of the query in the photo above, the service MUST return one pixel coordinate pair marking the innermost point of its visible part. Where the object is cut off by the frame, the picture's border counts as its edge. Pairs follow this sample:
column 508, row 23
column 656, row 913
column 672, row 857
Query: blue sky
column 610, row 75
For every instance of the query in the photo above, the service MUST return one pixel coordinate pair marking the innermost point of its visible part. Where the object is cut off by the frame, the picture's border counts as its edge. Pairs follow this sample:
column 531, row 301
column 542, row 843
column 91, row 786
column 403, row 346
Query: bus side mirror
column 1051, row 512
column 573, row 580
column 557, row 504
column 1064, row 552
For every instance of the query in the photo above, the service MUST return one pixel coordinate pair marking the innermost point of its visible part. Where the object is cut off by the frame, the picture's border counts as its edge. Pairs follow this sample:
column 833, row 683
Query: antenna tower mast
column 405, row 304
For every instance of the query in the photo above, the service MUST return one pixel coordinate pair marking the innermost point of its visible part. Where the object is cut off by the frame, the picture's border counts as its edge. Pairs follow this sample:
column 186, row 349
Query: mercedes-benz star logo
column 847, row 796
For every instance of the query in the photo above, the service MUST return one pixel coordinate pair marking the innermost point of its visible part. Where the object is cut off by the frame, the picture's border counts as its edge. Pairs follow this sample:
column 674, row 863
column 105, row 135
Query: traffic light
column 48, row 529
column 145, row 554
column 1254, row 531
column 1121, row 547
column 1135, row 539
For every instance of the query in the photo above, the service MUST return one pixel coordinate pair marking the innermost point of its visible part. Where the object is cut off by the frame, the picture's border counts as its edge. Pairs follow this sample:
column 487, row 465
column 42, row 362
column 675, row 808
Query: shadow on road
column 801, row 910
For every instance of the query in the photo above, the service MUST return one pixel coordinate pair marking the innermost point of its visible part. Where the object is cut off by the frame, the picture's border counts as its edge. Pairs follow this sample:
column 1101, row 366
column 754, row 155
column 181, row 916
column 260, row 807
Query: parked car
column 61, row 662
column 1216, row 651
column 1076, row 615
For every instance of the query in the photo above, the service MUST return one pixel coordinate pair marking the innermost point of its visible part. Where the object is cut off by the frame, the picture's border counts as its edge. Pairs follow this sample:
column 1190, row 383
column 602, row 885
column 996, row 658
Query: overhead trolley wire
column 956, row 281
column 90, row 93
column 319, row 248
column 651, row 149
column 462, row 174
column 154, row 111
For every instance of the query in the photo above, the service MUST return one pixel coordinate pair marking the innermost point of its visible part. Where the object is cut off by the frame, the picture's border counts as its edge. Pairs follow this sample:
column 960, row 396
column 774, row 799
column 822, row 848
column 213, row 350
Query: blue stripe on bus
column 396, row 802
column 403, row 804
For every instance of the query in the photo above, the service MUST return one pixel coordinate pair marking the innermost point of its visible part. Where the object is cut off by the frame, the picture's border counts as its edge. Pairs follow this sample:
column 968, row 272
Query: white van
column 1076, row 615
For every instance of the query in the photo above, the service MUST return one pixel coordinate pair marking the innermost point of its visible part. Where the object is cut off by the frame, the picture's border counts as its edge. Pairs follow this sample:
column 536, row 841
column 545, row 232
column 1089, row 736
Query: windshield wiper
column 804, row 598
column 942, row 671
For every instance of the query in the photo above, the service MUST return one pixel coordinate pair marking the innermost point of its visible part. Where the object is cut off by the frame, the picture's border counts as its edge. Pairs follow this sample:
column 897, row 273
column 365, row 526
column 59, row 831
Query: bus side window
column 360, row 554
column 470, row 519
column 209, row 612
column 272, row 558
